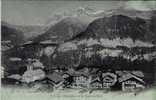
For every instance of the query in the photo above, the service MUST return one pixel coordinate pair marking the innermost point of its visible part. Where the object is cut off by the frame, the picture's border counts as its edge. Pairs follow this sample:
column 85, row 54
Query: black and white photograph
column 78, row 49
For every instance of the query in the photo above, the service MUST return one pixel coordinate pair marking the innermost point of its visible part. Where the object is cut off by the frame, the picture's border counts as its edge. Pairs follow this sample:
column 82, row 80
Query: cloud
column 141, row 5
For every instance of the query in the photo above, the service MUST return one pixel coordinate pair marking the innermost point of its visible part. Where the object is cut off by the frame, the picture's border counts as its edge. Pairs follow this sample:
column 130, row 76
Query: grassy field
column 10, row 93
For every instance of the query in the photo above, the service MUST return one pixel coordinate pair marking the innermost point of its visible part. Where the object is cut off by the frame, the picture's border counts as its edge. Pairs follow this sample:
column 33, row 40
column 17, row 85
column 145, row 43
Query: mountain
column 108, row 42
column 31, row 31
column 133, row 12
column 10, row 36
column 65, row 29
column 113, row 41
column 152, row 27
column 119, row 26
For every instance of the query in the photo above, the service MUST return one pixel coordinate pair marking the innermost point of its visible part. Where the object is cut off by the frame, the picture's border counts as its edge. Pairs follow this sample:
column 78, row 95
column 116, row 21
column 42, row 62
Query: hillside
column 31, row 31
column 115, row 39
column 63, row 30
column 10, row 36
column 109, row 42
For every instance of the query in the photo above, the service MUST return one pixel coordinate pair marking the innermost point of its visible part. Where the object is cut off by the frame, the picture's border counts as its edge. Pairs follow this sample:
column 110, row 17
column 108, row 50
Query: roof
column 95, row 78
column 136, row 73
column 129, row 76
column 78, row 73
column 55, row 77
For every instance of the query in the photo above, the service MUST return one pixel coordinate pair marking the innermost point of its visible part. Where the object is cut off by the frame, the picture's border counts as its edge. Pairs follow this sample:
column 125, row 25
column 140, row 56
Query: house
column 55, row 79
column 80, row 78
column 108, row 79
column 95, row 83
column 131, row 82
column 30, row 76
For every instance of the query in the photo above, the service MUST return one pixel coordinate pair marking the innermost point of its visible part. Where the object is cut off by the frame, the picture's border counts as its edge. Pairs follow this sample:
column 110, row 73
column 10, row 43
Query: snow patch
column 67, row 46
column 15, row 76
column 107, row 52
column 15, row 59
column 127, row 42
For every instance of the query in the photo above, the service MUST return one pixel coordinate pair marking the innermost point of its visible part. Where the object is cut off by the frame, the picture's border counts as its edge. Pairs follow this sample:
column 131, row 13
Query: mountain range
column 105, row 41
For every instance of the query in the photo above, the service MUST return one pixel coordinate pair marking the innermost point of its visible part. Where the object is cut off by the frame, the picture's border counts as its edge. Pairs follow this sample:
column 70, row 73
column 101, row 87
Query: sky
column 37, row 12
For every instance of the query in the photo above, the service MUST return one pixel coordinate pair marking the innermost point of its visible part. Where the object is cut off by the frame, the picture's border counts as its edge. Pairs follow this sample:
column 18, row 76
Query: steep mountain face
column 153, row 24
column 117, row 26
column 10, row 36
column 63, row 30
column 152, row 28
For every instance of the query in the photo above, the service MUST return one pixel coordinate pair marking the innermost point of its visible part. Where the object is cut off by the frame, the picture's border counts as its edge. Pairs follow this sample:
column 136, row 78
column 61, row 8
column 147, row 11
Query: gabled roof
column 129, row 76
column 138, row 73
column 135, row 73
column 95, row 79
column 55, row 77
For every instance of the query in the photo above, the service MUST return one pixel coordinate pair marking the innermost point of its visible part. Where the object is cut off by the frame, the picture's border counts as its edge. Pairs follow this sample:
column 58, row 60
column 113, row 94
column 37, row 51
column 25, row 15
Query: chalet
column 108, row 79
column 131, row 82
column 55, row 79
column 95, row 83
column 80, row 78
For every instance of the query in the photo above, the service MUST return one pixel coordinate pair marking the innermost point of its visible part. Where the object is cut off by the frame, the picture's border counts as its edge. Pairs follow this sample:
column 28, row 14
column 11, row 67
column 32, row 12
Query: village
column 90, row 79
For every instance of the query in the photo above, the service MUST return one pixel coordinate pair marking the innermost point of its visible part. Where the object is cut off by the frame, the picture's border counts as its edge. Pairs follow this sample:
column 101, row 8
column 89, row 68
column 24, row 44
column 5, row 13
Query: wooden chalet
column 131, row 82
column 55, row 79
